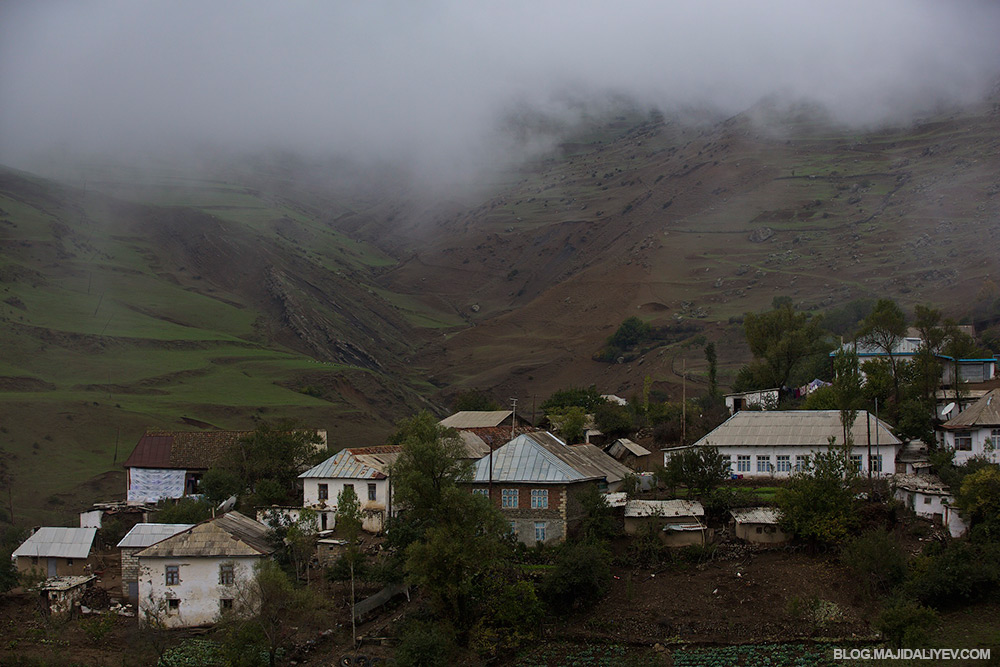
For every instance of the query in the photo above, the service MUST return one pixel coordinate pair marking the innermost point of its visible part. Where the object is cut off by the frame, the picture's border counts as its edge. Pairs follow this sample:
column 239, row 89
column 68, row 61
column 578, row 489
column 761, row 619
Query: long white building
column 780, row 442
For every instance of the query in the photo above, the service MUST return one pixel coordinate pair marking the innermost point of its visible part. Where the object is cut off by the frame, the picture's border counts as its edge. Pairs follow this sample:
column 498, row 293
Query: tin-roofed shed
column 56, row 551
column 759, row 525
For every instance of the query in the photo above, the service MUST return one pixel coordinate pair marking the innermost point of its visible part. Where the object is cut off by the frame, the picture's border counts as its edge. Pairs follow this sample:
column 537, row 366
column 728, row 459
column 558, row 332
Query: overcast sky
column 429, row 82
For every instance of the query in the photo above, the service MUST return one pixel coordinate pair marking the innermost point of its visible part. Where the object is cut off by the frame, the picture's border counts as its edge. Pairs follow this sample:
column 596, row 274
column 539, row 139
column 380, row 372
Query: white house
column 780, row 442
column 188, row 579
column 366, row 470
column 976, row 431
column 759, row 399
column 930, row 498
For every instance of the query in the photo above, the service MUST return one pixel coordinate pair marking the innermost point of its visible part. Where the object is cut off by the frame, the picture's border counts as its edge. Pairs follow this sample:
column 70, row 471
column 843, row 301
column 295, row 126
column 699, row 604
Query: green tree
column 474, row 400
column 979, row 499
column 265, row 614
column 700, row 469
column 614, row 420
column 847, row 391
column 713, row 370
column 569, row 423
column 269, row 460
column 817, row 504
column 581, row 577
column 349, row 524
column 587, row 398
column 598, row 523
column 184, row 510
column 877, row 561
column 219, row 484
column 631, row 332
column 780, row 340
column 884, row 329
column 906, row 623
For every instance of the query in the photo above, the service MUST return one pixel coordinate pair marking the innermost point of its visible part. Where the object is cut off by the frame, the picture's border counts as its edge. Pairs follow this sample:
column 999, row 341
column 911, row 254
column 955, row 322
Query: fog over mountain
column 439, row 85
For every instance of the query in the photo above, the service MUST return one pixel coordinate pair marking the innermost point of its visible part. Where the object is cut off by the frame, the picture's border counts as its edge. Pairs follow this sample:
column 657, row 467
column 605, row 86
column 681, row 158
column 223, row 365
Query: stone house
column 142, row 535
column 188, row 579
column 534, row 480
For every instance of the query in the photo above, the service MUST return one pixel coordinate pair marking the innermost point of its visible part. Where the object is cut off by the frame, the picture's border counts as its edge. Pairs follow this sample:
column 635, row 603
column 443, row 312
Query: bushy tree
column 906, row 623
column 581, row 577
column 700, row 469
column 569, row 423
column 474, row 400
column 631, row 332
column 817, row 504
column 877, row 561
column 587, row 398
column 884, row 329
column 269, row 460
column 614, row 420
column 184, row 510
column 780, row 341
column 979, row 499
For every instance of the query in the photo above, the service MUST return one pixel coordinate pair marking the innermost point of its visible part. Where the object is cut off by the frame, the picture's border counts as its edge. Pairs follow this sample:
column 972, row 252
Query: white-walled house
column 975, row 433
column 188, row 579
column 930, row 498
column 758, row 399
column 778, row 443
column 366, row 469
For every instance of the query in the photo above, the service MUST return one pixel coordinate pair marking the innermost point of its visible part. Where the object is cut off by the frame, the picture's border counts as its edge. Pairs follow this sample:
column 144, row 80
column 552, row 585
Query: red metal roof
column 153, row 451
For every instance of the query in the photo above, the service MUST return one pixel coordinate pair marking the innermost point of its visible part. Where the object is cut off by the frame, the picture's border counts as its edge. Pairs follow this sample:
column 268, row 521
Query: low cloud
column 435, row 85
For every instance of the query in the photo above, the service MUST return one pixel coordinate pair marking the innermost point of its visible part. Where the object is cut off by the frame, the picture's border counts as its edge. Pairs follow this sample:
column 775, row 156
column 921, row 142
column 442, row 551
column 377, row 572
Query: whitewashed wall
column 888, row 453
column 373, row 511
column 982, row 446
column 199, row 591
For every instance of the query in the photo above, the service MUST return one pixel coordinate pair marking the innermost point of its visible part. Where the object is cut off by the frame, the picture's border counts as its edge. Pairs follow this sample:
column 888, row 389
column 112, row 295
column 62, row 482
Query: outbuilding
column 56, row 551
column 759, row 525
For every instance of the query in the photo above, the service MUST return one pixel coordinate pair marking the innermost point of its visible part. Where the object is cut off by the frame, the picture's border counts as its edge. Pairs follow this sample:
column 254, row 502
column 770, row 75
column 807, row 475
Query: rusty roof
column 357, row 463
column 186, row 450
column 984, row 412
column 229, row 535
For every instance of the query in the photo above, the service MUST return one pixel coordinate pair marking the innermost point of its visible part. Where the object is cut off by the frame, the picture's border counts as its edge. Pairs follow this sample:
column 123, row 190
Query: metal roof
column 537, row 457
column 147, row 534
column 616, row 448
column 766, row 515
column 663, row 508
column 229, row 535
column 475, row 446
column 356, row 463
column 476, row 419
column 810, row 428
column 596, row 462
column 65, row 583
column 984, row 412
column 616, row 499
column 49, row 542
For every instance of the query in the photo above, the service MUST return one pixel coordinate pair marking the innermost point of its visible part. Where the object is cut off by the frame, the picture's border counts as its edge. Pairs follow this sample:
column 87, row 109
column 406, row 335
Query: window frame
column 173, row 606
column 764, row 463
column 227, row 574
column 172, row 575
column 784, row 462
column 963, row 441
column 539, row 499
column 372, row 492
column 509, row 499
column 323, row 491
column 742, row 463
column 541, row 528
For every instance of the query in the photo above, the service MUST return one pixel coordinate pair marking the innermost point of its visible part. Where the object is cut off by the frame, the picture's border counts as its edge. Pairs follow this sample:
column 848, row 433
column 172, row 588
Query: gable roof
column 809, row 428
column 984, row 412
column 187, row 450
column 621, row 446
column 543, row 458
column 58, row 542
column 357, row 463
column 229, row 535
column 476, row 419
column 143, row 535
column 663, row 508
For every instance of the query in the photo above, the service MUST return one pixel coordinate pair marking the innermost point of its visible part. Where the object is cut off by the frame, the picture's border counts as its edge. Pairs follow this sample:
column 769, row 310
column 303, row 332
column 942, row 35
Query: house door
column 53, row 567
column 133, row 590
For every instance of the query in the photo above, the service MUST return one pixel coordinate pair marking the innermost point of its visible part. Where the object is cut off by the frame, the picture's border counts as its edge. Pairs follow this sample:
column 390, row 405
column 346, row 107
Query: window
column 760, row 529
column 513, row 528
column 173, row 575
column 540, row 531
column 801, row 462
column 227, row 575
column 855, row 462
column 508, row 498
column 324, row 492
column 784, row 463
column 34, row 560
column 743, row 463
column 371, row 492
column 875, row 463
column 539, row 499
column 728, row 462
column 481, row 492
column 225, row 604
column 963, row 441
column 927, row 500
column 69, row 562
column 763, row 464
column 173, row 606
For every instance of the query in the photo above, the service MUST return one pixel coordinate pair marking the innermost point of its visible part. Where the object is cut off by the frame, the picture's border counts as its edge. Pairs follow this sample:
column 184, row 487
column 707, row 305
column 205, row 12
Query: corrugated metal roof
column 476, row 419
column 475, row 447
column 356, row 463
column 810, row 428
column 57, row 542
column 230, row 535
column 592, row 461
column 663, row 508
column 617, row 499
column 984, row 412
column 147, row 534
column 765, row 515
column 618, row 448
column 536, row 457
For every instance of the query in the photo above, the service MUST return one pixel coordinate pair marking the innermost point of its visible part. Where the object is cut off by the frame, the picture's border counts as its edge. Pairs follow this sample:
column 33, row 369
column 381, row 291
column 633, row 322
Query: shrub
column 425, row 644
column 582, row 576
column 877, row 561
column 906, row 623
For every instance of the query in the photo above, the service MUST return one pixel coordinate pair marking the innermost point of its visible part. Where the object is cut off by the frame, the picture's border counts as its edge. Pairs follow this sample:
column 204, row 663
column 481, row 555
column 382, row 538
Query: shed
column 679, row 522
column 60, row 594
column 759, row 525
column 629, row 453
column 56, row 551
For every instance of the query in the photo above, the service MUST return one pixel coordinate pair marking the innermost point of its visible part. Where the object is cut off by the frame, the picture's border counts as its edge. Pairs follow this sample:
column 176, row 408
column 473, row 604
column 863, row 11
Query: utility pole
column 513, row 416
column 684, row 402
